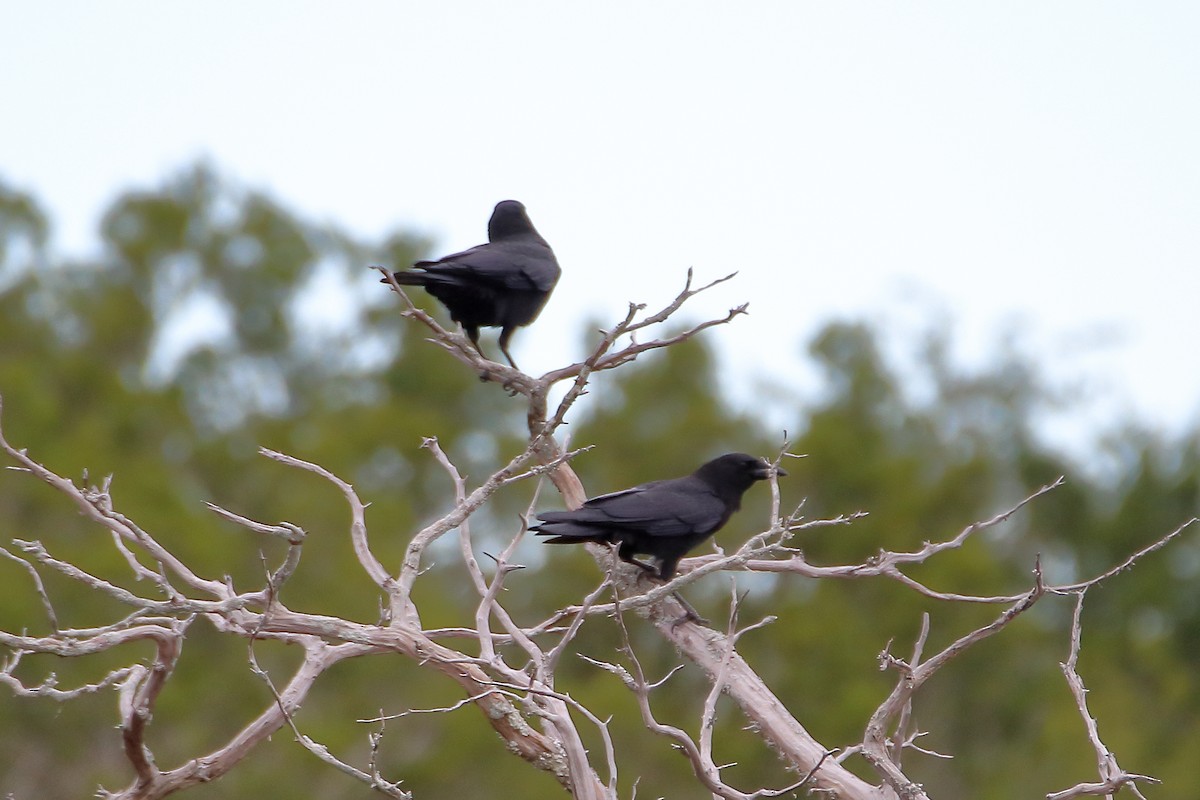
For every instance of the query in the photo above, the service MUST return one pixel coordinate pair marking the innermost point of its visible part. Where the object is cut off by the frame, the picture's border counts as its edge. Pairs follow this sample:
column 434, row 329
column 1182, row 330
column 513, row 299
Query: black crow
column 503, row 283
column 663, row 519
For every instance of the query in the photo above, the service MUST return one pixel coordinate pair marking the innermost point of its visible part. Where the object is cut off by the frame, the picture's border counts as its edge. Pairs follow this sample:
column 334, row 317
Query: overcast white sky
column 1028, row 161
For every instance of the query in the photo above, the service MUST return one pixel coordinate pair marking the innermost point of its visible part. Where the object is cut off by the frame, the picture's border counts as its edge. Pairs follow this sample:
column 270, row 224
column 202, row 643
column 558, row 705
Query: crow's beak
column 764, row 472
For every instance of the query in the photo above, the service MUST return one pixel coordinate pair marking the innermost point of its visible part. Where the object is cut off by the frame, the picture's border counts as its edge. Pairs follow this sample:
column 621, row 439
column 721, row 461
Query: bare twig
column 38, row 586
column 463, row 509
column 900, row 739
column 912, row 677
column 358, row 523
column 1127, row 563
column 317, row 654
column 886, row 563
column 700, row 756
column 1112, row 777
column 49, row 687
column 96, row 505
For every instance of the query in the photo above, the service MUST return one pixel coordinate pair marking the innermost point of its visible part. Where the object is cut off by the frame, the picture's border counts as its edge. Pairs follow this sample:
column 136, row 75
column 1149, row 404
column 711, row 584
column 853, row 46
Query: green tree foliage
column 215, row 321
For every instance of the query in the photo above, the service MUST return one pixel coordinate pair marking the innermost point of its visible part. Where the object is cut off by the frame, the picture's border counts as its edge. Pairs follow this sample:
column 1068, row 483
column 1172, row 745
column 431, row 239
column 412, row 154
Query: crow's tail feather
column 573, row 539
column 569, row 533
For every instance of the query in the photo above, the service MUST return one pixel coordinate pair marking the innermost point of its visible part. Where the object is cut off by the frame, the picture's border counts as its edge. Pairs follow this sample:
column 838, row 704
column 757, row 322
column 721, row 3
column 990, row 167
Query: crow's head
column 509, row 219
column 734, row 473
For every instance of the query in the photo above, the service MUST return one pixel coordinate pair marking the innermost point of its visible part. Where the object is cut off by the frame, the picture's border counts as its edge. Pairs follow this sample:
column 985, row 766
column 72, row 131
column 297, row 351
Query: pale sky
column 1022, row 164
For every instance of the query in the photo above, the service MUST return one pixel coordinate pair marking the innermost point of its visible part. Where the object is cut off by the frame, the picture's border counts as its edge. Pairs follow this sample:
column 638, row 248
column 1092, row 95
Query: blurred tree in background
column 215, row 321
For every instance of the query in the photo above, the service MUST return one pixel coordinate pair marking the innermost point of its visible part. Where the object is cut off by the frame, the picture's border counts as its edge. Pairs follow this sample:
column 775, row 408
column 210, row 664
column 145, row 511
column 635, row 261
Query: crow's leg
column 666, row 571
column 473, row 335
column 625, row 553
column 666, row 568
column 505, row 334
column 689, row 613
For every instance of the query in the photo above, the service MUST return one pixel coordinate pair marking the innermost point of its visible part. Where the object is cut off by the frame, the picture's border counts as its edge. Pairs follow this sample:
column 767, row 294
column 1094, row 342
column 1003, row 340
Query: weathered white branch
column 900, row 737
column 886, row 563
column 96, row 505
column 38, row 586
column 314, row 652
column 703, row 766
column 318, row 658
column 462, row 510
column 167, row 607
column 1112, row 777
column 544, row 702
column 49, row 687
column 912, row 677
column 1128, row 562
column 358, row 524
column 770, row 718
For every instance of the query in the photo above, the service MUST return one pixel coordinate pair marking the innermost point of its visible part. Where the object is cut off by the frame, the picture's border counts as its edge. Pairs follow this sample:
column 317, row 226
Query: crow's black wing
column 518, row 264
column 679, row 507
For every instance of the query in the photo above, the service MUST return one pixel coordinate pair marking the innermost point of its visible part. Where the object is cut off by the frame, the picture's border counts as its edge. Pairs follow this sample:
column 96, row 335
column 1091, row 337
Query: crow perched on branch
column 663, row 519
column 503, row 283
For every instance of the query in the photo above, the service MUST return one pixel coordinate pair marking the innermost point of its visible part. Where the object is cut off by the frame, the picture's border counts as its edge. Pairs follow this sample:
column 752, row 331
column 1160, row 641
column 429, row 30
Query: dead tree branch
column 1112, row 777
